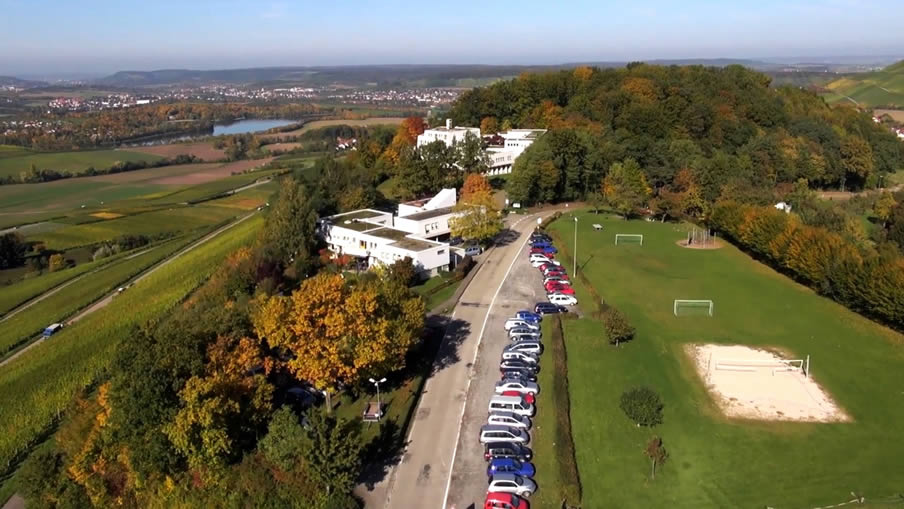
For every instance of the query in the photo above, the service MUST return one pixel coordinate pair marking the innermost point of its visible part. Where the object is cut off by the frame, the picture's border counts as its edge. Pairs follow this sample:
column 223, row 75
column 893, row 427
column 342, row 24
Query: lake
column 250, row 126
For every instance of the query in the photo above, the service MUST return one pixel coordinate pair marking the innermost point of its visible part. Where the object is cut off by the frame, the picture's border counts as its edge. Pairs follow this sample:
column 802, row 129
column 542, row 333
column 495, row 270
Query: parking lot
column 521, row 290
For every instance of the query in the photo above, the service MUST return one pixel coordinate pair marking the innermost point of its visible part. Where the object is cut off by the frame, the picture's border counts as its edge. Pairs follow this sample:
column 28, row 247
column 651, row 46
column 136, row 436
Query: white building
column 383, row 239
column 516, row 141
column 448, row 134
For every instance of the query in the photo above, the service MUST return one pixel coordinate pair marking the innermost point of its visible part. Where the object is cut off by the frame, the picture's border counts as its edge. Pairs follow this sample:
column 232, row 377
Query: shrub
column 618, row 328
column 642, row 405
column 463, row 267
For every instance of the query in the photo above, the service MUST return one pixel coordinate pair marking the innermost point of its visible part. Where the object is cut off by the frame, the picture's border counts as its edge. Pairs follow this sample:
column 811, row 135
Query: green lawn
column 70, row 161
column 715, row 461
column 433, row 291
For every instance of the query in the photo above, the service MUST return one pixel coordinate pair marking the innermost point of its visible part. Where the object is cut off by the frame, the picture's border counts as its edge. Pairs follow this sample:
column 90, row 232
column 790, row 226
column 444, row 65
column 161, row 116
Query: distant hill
column 12, row 81
column 879, row 88
column 374, row 75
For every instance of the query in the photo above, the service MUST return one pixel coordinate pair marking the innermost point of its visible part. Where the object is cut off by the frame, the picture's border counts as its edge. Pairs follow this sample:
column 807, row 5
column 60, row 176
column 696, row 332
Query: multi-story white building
column 516, row 141
column 448, row 134
column 381, row 238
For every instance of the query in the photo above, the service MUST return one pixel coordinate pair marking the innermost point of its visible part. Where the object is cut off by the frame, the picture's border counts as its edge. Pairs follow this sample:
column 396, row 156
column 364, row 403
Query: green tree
column 470, row 156
column 403, row 271
column 477, row 217
column 284, row 444
column 289, row 232
column 856, row 157
column 642, row 405
column 334, row 458
column 883, row 207
column 625, row 187
column 618, row 328
column 12, row 250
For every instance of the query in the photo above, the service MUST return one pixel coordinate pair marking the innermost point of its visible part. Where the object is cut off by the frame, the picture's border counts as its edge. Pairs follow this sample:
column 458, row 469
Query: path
column 106, row 300
column 423, row 477
column 55, row 289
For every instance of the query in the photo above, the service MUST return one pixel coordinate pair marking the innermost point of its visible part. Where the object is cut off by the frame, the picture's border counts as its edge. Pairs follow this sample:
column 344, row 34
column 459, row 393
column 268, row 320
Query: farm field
column 70, row 161
column 35, row 386
column 317, row 124
column 715, row 461
column 22, row 327
column 897, row 115
column 202, row 150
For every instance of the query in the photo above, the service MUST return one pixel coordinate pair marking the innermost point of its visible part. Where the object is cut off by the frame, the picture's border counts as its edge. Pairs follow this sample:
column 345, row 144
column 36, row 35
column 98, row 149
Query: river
column 250, row 126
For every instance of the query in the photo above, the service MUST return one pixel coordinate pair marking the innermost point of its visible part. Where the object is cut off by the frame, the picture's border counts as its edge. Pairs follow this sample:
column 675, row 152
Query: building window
column 441, row 251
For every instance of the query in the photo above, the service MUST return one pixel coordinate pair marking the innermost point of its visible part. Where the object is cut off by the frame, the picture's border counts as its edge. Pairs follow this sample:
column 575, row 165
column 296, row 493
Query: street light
column 377, row 383
column 574, row 270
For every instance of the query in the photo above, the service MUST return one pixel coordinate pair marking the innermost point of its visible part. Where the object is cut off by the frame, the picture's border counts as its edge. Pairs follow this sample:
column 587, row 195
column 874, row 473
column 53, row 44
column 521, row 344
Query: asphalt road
column 521, row 290
column 424, row 477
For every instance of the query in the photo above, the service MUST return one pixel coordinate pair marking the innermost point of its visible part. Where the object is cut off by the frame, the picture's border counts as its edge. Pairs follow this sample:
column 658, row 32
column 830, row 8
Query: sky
column 40, row 37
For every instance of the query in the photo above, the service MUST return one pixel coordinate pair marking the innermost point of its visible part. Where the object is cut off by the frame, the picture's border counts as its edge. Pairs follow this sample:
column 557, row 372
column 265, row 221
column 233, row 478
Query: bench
column 373, row 412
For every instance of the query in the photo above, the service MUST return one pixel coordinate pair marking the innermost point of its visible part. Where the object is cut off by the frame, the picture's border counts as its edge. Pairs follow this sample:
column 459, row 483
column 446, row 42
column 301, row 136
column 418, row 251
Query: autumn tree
column 477, row 216
column 883, row 207
column 625, row 187
column 474, row 183
column 335, row 331
column 856, row 157
column 657, row 454
column 56, row 262
column 489, row 126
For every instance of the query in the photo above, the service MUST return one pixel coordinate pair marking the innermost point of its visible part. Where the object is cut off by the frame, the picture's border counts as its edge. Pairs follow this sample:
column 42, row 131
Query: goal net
column 693, row 307
column 774, row 366
column 628, row 238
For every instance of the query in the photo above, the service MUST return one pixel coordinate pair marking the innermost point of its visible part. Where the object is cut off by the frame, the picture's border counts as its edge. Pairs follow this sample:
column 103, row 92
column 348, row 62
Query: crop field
column 70, row 161
column 896, row 115
column 714, row 460
column 317, row 124
column 22, row 327
column 210, row 189
column 36, row 386
column 148, row 223
column 13, row 151
column 202, row 150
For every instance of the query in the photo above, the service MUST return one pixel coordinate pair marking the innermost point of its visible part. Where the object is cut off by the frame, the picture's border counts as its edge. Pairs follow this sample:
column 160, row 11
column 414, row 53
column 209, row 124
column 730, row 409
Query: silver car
column 531, row 347
column 511, row 483
column 495, row 433
column 509, row 419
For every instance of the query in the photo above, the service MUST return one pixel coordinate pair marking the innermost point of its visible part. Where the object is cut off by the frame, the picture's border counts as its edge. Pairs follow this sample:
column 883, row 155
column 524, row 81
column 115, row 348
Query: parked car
column 537, row 257
column 511, row 483
column 497, row 433
column 540, row 242
column 509, row 419
column 561, row 299
column 507, row 364
column 504, row 501
column 554, row 270
column 523, row 330
column 517, row 323
column 535, row 337
column 555, row 284
column 550, row 264
column 518, row 386
column 473, row 250
column 548, row 308
column 555, row 278
column 507, row 403
column 560, row 289
column 531, row 347
column 522, row 374
column 529, row 316
column 52, row 329
column 547, row 250
column 528, row 398
column 507, row 450
column 510, row 466
column 520, row 356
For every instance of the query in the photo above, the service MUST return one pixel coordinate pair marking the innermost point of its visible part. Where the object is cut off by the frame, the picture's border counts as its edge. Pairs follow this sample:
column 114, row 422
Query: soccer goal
column 632, row 238
column 775, row 366
column 693, row 307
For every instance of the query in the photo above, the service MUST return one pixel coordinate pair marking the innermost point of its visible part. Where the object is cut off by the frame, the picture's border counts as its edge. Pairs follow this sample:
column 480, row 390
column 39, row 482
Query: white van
column 519, row 356
column 513, row 404
column 497, row 433
column 473, row 250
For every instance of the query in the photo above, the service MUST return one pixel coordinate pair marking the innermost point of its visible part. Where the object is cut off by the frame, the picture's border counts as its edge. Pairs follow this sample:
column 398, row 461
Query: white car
column 557, row 279
column 511, row 483
column 519, row 336
column 494, row 433
column 562, row 299
column 531, row 347
column 536, row 263
column 537, row 257
column 509, row 419
column 511, row 384
column 513, row 323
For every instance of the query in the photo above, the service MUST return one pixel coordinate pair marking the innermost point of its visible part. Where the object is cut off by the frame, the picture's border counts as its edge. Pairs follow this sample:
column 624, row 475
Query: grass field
column 433, row 291
column 13, row 151
column 40, row 383
column 203, row 150
column 715, row 461
column 70, row 161
column 317, row 124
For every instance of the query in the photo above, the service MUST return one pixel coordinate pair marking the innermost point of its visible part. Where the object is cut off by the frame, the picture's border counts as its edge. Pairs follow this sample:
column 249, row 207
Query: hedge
column 571, row 488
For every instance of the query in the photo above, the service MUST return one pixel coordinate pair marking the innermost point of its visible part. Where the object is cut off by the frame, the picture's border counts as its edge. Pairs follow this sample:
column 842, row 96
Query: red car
column 548, row 266
column 496, row 500
column 556, row 284
column 563, row 289
column 528, row 397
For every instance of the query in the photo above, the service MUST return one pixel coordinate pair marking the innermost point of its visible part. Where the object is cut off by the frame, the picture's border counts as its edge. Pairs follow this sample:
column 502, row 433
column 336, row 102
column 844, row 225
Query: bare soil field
column 317, row 124
column 751, row 383
column 201, row 150
column 282, row 147
column 211, row 174
column 897, row 115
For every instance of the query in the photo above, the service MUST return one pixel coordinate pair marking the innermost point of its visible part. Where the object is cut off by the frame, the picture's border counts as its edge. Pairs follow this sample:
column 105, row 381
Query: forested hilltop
column 725, row 125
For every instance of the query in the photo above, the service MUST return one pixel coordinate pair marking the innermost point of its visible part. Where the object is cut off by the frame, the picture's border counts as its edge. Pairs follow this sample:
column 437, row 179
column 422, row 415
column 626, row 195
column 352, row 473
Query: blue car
column 510, row 466
column 529, row 316
column 546, row 249
column 541, row 243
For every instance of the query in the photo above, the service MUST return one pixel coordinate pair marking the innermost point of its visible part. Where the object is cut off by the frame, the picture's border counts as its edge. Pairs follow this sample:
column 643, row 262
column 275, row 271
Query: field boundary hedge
column 568, row 465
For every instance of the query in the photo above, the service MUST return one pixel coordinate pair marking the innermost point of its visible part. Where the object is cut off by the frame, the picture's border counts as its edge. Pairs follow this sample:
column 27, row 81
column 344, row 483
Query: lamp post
column 377, row 384
column 574, row 270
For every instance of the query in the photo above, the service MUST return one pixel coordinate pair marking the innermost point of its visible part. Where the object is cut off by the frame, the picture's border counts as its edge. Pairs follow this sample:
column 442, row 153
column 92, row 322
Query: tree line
column 727, row 126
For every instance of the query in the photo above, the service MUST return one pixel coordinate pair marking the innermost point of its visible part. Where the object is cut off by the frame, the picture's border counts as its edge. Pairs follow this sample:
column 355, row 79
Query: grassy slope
column 70, row 161
column 717, row 462
column 44, row 379
column 871, row 88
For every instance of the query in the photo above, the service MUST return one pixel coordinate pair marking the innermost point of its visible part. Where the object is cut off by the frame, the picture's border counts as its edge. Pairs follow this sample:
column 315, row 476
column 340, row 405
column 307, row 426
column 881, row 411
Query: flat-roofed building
column 448, row 134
